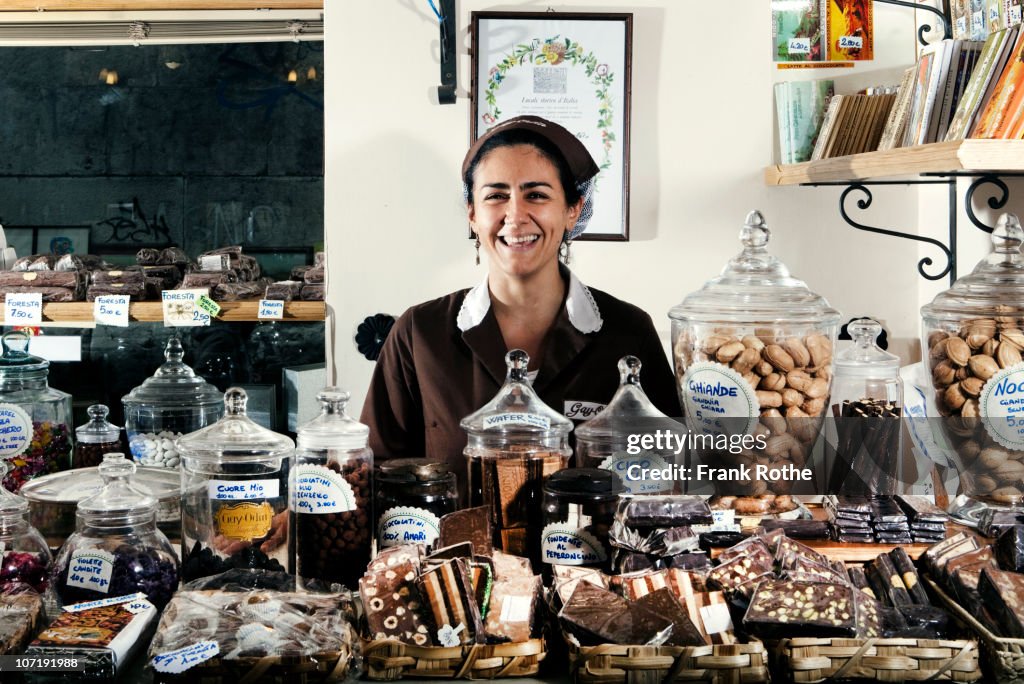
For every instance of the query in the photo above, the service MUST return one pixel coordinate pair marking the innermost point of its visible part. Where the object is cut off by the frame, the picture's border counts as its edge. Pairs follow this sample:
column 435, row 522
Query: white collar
column 583, row 312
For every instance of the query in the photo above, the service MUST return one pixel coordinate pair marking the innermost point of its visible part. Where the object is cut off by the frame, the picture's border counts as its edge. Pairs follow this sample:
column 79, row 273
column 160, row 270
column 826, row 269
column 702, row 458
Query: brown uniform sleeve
column 393, row 409
column 656, row 375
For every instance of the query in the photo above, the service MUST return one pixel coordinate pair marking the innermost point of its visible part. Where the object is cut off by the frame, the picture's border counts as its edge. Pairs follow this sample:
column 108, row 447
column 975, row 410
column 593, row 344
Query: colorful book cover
column 807, row 103
column 968, row 105
column 850, row 30
column 797, row 34
column 1012, row 10
column 997, row 109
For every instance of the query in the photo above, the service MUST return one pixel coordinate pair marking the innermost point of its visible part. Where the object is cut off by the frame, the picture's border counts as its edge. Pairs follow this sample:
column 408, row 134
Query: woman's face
column 519, row 210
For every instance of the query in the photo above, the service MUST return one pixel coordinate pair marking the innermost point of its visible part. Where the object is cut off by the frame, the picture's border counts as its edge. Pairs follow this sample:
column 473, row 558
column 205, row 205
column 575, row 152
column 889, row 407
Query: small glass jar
column 234, row 483
column 116, row 549
column 34, row 417
column 579, row 507
column 173, row 402
column 96, row 438
column 412, row 496
column 514, row 442
column 332, row 492
column 614, row 439
column 24, row 555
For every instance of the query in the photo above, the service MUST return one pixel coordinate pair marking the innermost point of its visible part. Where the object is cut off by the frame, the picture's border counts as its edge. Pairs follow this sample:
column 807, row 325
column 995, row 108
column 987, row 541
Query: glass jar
column 513, row 443
column 753, row 361
column 116, row 549
column 615, row 439
column 332, row 492
column 34, row 417
column 867, row 403
column 412, row 496
column 173, row 402
column 579, row 507
column 972, row 341
column 95, row 438
column 234, row 483
column 24, row 555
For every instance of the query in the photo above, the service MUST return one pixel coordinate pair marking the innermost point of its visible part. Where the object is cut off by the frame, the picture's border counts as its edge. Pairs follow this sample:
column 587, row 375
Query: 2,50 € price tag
column 24, row 308
column 111, row 310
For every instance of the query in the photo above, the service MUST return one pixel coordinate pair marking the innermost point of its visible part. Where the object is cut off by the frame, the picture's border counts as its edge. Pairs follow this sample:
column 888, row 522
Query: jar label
column 716, row 400
column 502, row 419
column 101, row 603
column 233, row 490
column 177, row 661
column 15, row 430
column 321, row 490
column 246, row 521
column 91, row 569
column 621, row 463
column 564, row 544
column 407, row 525
column 1002, row 407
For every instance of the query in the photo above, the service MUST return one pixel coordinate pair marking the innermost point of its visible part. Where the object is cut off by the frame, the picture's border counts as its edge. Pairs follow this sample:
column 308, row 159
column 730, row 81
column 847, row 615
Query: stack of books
column 854, row 123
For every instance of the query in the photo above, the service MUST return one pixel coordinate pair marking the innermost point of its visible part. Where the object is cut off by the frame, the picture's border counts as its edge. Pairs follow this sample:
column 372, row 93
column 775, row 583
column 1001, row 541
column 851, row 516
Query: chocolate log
column 68, row 279
column 136, row 291
column 285, row 290
column 664, row 511
column 120, row 277
column 313, row 293
column 50, row 294
column 896, row 591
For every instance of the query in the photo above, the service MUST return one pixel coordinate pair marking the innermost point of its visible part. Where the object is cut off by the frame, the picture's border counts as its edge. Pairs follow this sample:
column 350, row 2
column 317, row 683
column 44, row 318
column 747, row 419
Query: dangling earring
column 477, row 250
column 566, row 243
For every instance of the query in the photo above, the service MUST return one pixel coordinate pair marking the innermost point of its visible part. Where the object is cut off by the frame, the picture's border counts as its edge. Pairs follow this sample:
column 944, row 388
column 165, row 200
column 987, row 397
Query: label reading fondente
column 233, row 490
column 799, row 46
column 270, row 309
column 1002, row 407
column 15, row 430
column 91, row 569
column 321, row 490
column 502, row 419
column 408, row 525
column 23, row 308
column 174, row 662
column 713, row 392
column 564, row 544
column 620, row 462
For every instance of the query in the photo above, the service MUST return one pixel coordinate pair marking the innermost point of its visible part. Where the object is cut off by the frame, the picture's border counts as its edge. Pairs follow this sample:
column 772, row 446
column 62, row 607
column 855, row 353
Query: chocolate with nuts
column 781, row 608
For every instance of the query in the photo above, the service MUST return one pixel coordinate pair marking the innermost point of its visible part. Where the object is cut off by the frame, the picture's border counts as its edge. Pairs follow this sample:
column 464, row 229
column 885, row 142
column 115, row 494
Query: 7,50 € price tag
column 24, row 308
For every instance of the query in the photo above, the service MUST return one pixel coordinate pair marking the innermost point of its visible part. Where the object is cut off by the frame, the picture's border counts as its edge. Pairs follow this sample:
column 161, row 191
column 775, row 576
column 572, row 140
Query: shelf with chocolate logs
column 78, row 313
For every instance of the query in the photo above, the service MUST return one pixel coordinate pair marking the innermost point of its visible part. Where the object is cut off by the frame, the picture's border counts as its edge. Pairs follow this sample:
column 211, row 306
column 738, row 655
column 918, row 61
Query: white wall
column 702, row 133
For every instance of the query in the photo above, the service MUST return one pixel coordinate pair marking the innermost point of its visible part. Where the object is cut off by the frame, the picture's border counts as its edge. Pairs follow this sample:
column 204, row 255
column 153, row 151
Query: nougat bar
column 391, row 598
column 1003, row 594
column 20, row 616
column 513, row 603
column 447, row 592
column 783, row 608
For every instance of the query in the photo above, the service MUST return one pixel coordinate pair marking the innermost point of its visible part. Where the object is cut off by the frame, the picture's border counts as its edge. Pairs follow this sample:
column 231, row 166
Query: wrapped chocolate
column 147, row 256
column 925, row 622
column 120, row 277
column 285, row 290
column 896, row 591
column 1010, row 549
column 908, row 573
column 586, row 611
column 391, row 597
column 649, row 512
column 50, row 294
column 68, row 279
column 234, row 292
column 169, row 276
column 964, row 583
column 936, row 557
column 1003, row 594
column 625, row 562
column 982, row 556
column 313, row 293
column 314, row 276
column 197, row 279
column 568, row 577
column 752, row 546
column 783, row 608
column 788, row 547
column 918, row 509
column 34, row 262
column 511, row 609
column 859, row 579
column 173, row 255
column 993, row 521
column 448, row 594
column 684, row 632
column 688, row 561
column 468, row 525
column 21, row 613
column 798, row 529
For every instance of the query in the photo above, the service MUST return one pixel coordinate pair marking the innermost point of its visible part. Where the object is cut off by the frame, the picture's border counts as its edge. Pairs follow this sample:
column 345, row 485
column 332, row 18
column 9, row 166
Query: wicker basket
column 1003, row 657
column 719, row 664
column 880, row 660
column 323, row 667
column 388, row 660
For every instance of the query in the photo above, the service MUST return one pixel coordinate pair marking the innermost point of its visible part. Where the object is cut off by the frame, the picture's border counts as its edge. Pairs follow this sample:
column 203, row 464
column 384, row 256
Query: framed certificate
column 571, row 68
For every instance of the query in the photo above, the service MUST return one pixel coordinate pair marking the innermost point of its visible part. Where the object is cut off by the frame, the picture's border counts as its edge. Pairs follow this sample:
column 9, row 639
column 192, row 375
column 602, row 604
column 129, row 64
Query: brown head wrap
column 581, row 164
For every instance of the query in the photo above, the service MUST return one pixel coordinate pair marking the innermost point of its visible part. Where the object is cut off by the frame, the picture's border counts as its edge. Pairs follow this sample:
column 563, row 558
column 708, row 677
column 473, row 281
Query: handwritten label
column 850, row 42
column 581, row 410
column 449, row 636
column 233, row 490
column 270, row 310
column 408, row 525
column 111, row 310
column 175, row 662
column 1002, row 407
column 993, row 14
column 799, row 46
column 712, row 393
column 961, row 26
column 504, row 419
column 321, row 490
column 208, row 305
column 1015, row 15
column 978, row 23
column 91, row 569
column 245, row 521
column 564, row 544
column 180, row 310
column 139, row 606
column 620, row 462
column 23, row 308
column 15, row 430
column 101, row 603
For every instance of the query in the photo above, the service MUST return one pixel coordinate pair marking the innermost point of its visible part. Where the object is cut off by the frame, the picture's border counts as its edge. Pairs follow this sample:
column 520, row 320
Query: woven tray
column 718, row 664
column 880, row 660
column 1002, row 657
column 323, row 667
column 387, row 660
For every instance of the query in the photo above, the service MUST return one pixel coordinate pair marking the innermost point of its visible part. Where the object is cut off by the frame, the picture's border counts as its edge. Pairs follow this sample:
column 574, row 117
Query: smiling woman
column 528, row 187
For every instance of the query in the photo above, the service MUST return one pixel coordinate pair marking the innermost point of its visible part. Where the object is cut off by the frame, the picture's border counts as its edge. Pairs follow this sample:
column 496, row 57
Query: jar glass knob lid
column 10, row 504
column 16, row 353
column 629, row 370
column 333, row 399
column 865, row 357
column 517, row 361
column 1008, row 236
column 98, row 429
column 118, row 498
column 235, row 400
column 755, row 233
column 333, row 428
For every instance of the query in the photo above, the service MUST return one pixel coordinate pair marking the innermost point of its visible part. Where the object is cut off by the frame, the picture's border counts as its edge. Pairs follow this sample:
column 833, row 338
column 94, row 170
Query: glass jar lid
column 629, row 411
column 516, row 409
column 117, row 501
column 72, row 486
column 235, row 437
column 98, row 430
column 755, row 286
column 10, row 504
column 16, row 362
column 865, row 358
column 174, row 383
column 408, row 470
column 584, row 485
column 333, row 428
column 994, row 287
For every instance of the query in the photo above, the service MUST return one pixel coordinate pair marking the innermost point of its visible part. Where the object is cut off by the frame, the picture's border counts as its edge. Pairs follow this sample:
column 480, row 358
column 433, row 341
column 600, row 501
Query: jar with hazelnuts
column 752, row 351
column 972, row 343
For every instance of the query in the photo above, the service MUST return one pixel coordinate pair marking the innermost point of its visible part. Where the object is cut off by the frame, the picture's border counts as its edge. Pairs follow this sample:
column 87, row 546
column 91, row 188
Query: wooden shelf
column 231, row 312
column 985, row 156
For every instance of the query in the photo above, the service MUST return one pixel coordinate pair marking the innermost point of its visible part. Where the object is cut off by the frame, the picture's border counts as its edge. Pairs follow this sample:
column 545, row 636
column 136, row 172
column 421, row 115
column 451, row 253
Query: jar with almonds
column 972, row 341
column 753, row 359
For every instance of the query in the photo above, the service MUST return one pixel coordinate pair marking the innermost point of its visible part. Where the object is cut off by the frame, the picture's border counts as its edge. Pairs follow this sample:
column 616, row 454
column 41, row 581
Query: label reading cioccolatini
column 408, row 525
column 245, row 521
column 564, row 544
column 713, row 392
column 321, row 490
column 1002, row 407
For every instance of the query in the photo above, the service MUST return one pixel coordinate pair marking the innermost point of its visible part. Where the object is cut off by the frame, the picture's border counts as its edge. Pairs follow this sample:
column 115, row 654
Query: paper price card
column 208, row 305
column 175, row 662
column 799, row 46
column 180, row 310
column 111, row 310
column 271, row 309
column 23, row 308
column 91, row 569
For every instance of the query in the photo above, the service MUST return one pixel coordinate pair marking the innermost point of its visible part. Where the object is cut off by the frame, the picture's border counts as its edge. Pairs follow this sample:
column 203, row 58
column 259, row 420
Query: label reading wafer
column 504, row 419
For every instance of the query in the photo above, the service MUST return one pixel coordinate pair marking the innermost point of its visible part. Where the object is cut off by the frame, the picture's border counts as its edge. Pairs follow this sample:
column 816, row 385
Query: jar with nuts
column 610, row 439
column 973, row 340
column 95, row 438
column 332, row 495
column 753, row 359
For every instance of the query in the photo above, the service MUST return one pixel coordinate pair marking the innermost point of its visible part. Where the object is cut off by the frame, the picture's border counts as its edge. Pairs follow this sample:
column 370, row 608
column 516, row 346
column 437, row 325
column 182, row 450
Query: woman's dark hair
column 518, row 136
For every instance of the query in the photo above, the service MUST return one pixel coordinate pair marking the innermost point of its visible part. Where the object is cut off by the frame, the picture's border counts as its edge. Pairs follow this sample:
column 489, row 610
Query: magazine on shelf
column 850, row 30
column 896, row 123
column 996, row 113
column 827, row 124
column 933, row 63
column 1012, row 11
column 797, row 30
column 970, row 102
column 801, row 109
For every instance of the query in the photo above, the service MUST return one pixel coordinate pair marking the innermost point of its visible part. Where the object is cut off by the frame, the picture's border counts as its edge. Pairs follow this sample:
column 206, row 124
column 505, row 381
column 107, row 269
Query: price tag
column 176, row 662
column 101, row 603
column 111, row 310
column 209, row 306
column 271, row 309
column 214, row 262
column 180, row 310
column 851, row 42
column 1015, row 13
column 91, row 569
column 23, row 308
column 799, row 46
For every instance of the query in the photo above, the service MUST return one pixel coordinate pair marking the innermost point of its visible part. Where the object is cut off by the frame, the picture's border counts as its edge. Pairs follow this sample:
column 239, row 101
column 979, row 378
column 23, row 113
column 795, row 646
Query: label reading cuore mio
column 15, row 430
column 1002, row 407
column 408, row 525
column 620, row 462
column 563, row 544
column 321, row 490
column 713, row 392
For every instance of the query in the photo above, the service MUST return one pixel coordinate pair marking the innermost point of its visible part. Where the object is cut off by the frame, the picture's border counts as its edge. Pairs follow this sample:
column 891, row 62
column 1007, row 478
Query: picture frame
column 573, row 68
column 58, row 240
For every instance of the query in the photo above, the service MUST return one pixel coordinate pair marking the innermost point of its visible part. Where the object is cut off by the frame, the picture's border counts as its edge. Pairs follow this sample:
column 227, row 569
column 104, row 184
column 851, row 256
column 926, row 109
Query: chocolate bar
column 789, row 546
column 462, row 550
column 511, row 612
column 897, row 593
column 908, row 573
column 1010, row 549
column 936, row 557
column 392, row 601
column 752, row 546
column 313, row 293
column 636, row 625
column 664, row 511
column 984, row 555
column 507, row 566
column 285, row 290
column 782, row 608
column 918, row 509
column 798, row 529
column 663, row 603
column 688, row 561
column 20, row 617
column 50, row 294
column 730, row 575
column 626, row 562
column 448, row 593
column 772, row 537
column 885, row 510
column 68, row 279
column 1003, row 594
column 993, row 521
column 568, row 577
column 136, row 291
column 964, row 583
column 129, row 275
column 586, row 611
column 468, row 525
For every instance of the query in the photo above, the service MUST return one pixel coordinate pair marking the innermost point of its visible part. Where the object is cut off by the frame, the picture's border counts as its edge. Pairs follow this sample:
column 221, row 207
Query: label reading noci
column 620, row 462
column 564, row 544
column 408, row 525
column 91, row 569
column 321, row 490
column 713, row 392
column 1002, row 407
column 15, row 430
